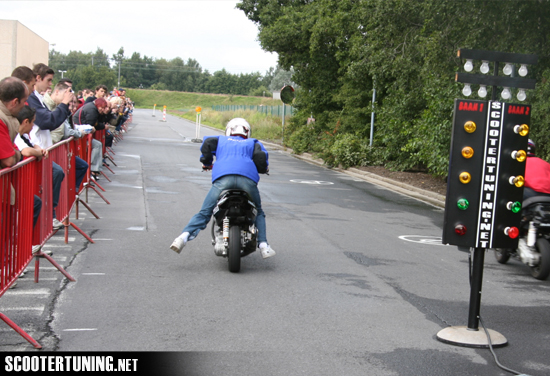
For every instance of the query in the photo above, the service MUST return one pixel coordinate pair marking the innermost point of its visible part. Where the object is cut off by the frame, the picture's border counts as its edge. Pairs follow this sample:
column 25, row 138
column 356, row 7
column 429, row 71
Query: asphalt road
column 360, row 284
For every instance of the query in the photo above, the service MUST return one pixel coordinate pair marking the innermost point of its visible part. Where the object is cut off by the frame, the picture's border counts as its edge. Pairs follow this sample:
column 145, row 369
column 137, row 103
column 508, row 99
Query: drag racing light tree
column 486, row 165
column 486, row 176
column 483, row 80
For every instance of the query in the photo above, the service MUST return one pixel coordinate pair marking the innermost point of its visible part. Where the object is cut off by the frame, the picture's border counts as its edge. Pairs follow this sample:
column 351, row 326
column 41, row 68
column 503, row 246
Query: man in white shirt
column 47, row 121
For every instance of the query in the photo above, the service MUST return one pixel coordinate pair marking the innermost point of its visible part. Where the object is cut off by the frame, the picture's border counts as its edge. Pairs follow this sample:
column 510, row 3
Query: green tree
column 132, row 70
column 143, row 71
column 280, row 78
column 90, row 77
column 100, row 59
column 268, row 77
column 406, row 49
column 221, row 82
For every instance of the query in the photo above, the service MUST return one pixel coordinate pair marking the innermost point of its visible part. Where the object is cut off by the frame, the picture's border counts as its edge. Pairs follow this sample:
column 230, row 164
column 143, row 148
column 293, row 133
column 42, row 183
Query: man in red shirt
column 13, row 94
column 537, row 174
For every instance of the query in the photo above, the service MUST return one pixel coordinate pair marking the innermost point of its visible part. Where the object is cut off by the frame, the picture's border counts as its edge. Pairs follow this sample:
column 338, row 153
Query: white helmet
column 238, row 127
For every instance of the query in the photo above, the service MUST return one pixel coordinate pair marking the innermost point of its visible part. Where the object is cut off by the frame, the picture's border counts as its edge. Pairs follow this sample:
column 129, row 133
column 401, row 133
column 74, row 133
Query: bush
column 262, row 91
column 301, row 140
column 348, row 150
column 159, row 86
column 540, row 117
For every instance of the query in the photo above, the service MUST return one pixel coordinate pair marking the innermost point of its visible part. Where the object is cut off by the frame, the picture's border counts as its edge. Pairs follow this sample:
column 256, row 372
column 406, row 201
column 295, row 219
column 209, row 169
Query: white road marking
column 37, row 309
column 424, row 239
column 29, row 292
column 79, row 330
column 315, row 182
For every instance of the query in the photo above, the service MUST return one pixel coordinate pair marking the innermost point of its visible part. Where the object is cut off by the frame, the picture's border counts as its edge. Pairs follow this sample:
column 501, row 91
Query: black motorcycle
column 534, row 246
column 234, row 231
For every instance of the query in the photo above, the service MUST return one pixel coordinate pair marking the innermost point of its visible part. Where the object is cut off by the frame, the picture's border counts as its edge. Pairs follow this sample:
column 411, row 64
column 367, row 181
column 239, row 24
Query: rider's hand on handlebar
column 206, row 168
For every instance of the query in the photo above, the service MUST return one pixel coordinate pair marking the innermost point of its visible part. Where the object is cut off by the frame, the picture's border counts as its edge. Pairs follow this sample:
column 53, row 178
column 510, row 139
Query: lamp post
column 62, row 72
column 118, row 82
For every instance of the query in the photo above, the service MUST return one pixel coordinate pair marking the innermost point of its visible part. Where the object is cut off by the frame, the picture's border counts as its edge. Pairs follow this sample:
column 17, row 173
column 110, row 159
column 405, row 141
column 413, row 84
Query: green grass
column 176, row 100
column 264, row 127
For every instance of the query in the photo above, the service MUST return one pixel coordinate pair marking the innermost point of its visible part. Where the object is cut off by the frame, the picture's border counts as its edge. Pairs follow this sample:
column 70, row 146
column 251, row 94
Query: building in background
column 19, row 45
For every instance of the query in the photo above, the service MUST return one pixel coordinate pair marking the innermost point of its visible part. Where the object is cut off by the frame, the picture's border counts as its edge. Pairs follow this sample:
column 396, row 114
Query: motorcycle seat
column 235, row 192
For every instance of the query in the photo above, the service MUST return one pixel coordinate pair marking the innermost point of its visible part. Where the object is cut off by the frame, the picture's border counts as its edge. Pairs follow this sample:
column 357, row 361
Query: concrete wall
column 20, row 46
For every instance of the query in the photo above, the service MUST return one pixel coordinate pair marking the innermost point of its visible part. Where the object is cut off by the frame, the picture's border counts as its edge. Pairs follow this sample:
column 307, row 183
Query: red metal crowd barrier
column 16, row 228
column 102, row 137
column 84, row 151
column 18, row 187
column 43, row 229
column 63, row 154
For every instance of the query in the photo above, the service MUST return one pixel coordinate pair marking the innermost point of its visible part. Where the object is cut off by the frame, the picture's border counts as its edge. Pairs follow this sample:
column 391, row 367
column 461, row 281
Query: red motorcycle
column 534, row 245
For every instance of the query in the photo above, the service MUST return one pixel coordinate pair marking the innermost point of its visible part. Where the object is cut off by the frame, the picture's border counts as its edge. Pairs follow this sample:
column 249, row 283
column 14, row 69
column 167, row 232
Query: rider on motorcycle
column 537, row 174
column 239, row 160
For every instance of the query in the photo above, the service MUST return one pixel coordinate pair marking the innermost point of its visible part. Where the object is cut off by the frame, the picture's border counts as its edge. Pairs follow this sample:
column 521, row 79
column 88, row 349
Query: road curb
column 394, row 185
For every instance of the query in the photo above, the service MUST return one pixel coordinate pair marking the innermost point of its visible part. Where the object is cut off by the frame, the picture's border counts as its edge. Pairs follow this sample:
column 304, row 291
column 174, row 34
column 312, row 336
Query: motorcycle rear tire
column 542, row 270
column 502, row 255
column 234, row 252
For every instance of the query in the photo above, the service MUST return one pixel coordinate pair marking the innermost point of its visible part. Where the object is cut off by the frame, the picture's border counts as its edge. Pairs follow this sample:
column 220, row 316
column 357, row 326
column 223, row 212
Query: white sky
column 213, row 32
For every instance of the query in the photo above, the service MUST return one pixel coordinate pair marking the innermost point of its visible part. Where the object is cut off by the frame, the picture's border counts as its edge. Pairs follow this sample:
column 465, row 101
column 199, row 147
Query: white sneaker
column 179, row 243
column 38, row 248
column 57, row 224
column 266, row 250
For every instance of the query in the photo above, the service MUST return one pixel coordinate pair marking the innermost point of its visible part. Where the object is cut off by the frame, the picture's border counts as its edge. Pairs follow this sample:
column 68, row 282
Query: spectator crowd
column 34, row 116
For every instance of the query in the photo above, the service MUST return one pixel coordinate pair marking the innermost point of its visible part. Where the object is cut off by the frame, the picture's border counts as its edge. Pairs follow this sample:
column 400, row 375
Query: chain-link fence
column 268, row 110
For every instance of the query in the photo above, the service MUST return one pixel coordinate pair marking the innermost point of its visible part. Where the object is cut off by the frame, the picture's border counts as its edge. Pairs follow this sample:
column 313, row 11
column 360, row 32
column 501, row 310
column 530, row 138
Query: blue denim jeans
column 121, row 122
column 200, row 220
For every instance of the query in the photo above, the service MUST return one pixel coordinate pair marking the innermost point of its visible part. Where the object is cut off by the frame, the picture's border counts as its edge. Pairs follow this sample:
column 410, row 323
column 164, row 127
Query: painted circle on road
column 316, row 182
column 424, row 239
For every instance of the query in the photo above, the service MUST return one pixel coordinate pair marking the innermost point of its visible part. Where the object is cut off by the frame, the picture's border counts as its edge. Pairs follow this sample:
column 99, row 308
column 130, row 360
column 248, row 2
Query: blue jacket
column 234, row 156
column 46, row 119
